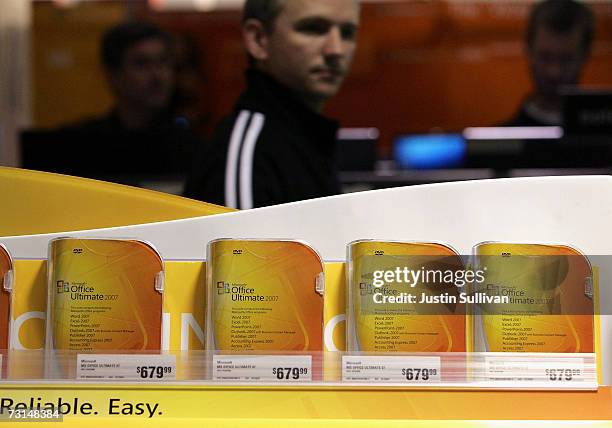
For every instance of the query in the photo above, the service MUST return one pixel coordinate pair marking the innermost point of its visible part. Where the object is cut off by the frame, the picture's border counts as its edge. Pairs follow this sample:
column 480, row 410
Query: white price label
column 263, row 368
column 143, row 367
column 395, row 369
column 541, row 369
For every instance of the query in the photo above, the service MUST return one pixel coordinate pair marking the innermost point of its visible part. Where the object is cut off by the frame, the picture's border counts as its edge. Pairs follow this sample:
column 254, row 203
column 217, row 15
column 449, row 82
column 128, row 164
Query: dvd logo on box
column 237, row 252
column 77, row 251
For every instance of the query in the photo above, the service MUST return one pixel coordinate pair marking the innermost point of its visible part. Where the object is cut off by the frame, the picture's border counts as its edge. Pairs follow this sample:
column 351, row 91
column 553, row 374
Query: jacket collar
column 263, row 90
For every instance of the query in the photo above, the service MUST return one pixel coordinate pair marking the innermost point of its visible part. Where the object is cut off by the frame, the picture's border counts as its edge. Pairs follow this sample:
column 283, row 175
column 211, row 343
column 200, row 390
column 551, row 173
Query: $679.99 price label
column 415, row 373
column 154, row 372
column 563, row 374
column 391, row 369
column 262, row 368
column 289, row 373
column 555, row 371
column 126, row 367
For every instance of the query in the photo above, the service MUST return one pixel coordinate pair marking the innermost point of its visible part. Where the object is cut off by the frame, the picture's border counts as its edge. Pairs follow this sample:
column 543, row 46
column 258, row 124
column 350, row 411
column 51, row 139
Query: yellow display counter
column 305, row 407
column 35, row 202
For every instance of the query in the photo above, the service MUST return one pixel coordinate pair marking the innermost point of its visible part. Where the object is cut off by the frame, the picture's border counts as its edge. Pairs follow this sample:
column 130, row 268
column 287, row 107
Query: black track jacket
column 272, row 149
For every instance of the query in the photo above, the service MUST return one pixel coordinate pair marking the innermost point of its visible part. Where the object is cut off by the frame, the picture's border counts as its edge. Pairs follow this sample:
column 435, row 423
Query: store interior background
column 421, row 67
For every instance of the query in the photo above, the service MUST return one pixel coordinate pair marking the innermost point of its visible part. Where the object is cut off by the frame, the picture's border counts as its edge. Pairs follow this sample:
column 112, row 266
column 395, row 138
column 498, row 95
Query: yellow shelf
column 213, row 406
column 37, row 202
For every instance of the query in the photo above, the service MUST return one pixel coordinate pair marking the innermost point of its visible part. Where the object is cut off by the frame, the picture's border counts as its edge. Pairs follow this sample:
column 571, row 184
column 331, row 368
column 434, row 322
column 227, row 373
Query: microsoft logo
column 62, row 287
column 365, row 289
column 223, row 288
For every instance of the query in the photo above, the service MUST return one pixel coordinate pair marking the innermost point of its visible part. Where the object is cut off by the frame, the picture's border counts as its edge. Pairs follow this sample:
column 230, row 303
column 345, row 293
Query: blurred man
column 276, row 147
column 138, row 63
column 140, row 135
column 559, row 36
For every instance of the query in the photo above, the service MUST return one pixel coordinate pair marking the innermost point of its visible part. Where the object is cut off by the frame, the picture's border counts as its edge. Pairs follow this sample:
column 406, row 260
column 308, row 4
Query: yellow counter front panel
column 226, row 406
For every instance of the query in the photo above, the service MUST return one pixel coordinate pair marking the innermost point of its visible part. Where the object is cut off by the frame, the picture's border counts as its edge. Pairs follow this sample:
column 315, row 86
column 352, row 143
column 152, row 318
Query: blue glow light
column 429, row 151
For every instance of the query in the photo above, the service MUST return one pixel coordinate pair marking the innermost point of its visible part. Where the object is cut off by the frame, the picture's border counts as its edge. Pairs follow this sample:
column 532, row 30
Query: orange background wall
column 420, row 66
column 67, row 81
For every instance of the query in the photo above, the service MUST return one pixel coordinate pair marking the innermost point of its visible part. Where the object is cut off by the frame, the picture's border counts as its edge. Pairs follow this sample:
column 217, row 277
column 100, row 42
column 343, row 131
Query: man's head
column 137, row 57
column 559, row 36
column 307, row 45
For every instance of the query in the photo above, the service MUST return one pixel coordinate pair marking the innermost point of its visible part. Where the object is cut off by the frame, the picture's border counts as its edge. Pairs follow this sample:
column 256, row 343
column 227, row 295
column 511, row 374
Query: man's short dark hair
column 265, row 11
column 562, row 16
column 118, row 39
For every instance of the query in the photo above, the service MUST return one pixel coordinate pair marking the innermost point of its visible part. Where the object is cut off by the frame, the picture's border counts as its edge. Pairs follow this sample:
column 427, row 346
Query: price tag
column 537, row 369
column 395, row 369
column 263, row 368
column 146, row 368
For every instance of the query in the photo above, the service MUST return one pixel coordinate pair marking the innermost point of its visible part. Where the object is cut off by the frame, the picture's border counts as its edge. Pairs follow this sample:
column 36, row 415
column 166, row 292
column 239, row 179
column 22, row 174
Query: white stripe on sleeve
column 246, row 160
column 231, row 164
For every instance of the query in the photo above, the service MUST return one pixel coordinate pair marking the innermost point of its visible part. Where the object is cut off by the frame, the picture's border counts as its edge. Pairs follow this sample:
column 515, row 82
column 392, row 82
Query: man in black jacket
column 140, row 138
column 558, row 43
column 276, row 147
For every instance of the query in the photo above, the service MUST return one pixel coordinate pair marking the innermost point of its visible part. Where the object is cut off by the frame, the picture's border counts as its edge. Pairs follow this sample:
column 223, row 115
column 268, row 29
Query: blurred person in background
column 558, row 44
column 140, row 135
column 189, row 83
column 139, row 66
column 276, row 147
